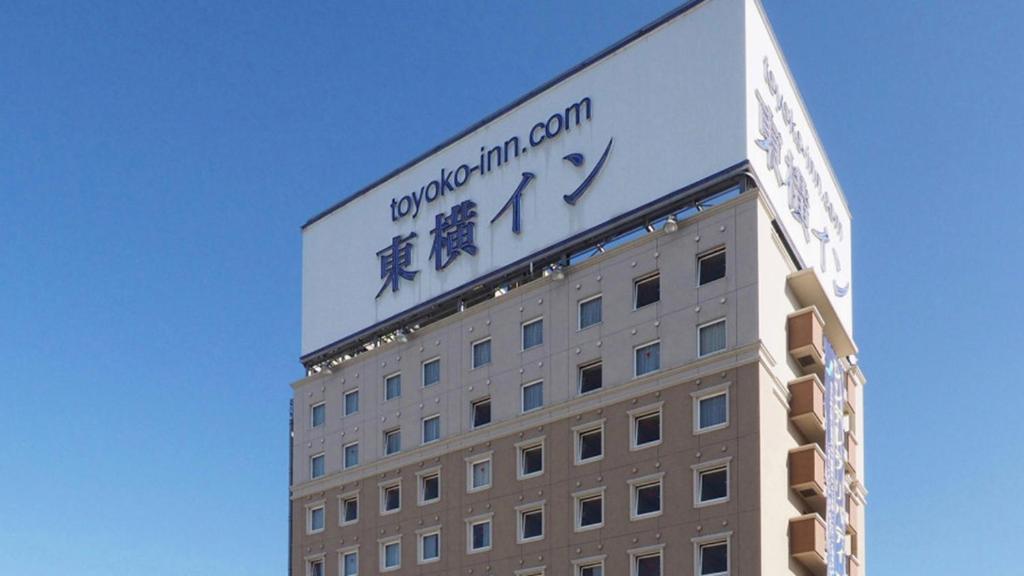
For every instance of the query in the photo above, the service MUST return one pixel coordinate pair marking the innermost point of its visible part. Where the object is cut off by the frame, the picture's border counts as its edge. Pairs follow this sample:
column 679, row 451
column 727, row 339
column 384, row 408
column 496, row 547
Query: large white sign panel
column 657, row 114
column 793, row 169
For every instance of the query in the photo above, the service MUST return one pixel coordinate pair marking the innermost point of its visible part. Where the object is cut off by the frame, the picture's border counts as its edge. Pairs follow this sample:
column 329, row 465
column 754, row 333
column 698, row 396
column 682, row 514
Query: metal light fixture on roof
column 671, row 224
column 401, row 337
column 559, row 272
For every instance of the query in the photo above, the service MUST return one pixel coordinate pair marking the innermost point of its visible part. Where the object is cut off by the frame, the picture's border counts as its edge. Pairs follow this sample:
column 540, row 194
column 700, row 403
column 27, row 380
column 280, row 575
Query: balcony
column 807, row 407
column 804, row 331
column 852, row 453
column 807, row 542
column 807, row 474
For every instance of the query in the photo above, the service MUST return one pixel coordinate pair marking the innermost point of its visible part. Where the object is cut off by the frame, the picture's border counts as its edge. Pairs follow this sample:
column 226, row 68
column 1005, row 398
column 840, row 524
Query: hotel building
column 621, row 346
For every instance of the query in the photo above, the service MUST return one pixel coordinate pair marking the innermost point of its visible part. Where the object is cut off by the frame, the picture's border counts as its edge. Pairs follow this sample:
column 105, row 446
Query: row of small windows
column 645, row 501
column 646, row 359
column 646, row 291
column 711, row 412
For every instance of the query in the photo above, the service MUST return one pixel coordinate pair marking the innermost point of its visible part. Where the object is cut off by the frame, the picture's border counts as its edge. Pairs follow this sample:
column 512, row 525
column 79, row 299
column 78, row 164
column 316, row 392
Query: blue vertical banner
column 835, row 463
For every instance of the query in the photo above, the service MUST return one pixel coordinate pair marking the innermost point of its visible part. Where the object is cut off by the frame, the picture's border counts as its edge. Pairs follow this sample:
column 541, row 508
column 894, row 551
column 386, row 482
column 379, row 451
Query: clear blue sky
column 157, row 161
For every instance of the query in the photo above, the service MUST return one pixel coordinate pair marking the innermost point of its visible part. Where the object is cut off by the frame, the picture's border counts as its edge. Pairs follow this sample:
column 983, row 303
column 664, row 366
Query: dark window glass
column 647, row 291
column 393, row 387
column 713, row 410
column 590, row 444
column 431, row 547
column 317, row 466
column 648, row 499
column 533, row 524
column 481, row 413
column 481, row 535
column 596, row 570
column 648, row 566
column 481, row 353
column 591, row 511
column 392, row 442
column 711, row 338
column 648, row 358
column 590, row 378
column 392, row 498
column 714, row 484
column 714, row 558
column 533, row 334
column 431, row 373
column 648, row 428
column 533, row 460
column 316, row 568
column 351, row 510
column 533, row 396
column 431, row 487
column 710, row 267
column 319, row 415
column 352, row 402
column 590, row 312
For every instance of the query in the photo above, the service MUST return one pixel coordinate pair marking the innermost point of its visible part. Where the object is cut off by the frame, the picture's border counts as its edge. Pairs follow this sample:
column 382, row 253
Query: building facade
column 674, row 391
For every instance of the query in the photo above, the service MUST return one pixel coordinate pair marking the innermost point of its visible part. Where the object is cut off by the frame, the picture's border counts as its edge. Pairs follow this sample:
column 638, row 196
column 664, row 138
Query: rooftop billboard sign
column 672, row 105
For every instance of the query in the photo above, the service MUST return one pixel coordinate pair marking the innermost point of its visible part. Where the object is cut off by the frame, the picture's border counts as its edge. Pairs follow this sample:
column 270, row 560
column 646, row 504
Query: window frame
column 578, row 433
column 700, row 327
column 344, row 455
column 698, row 396
column 344, row 402
column 345, row 552
column 421, row 478
column 472, row 353
column 343, row 499
column 706, row 255
column 421, row 535
column 637, row 414
column 423, row 429
column 637, row 484
column 320, row 559
column 310, row 509
column 384, row 543
column 387, row 434
column 636, row 365
column 579, row 312
column 640, row 280
column 387, row 378
column 312, row 465
column 522, row 333
column 579, row 376
column 383, row 488
column 578, row 499
column 581, row 564
column 636, row 554
column 423, row 372
column 701, row 542
column 521, row 448
column 711, row 466
column 312, row 415
column 472, row 410
column 522, row 396
column 472, row 461
column 521, row 512
column 476, row 521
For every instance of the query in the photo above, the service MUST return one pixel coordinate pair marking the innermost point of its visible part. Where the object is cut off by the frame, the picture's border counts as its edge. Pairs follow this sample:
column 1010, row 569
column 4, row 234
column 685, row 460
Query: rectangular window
column 533, row 333
column 482, row 353
column 391, row 498
column 392, row 387
column 590, row 569
column 713, row 559
column 430, row 547
column 479, row 473
column 351, row 454
column 431, row 429
column 316, row 568
column 350, row 564
column 710, row 266
column 646, row 498
column 711, row 338
column 479, row 535
column 317, row 415
column 712, row 485
column 391, row 555
column 590, row 443
column 481, row 412
column 647, row 564
column 531, row 459
column 531, row 523
column 590, row 312
column 712, row 411
column 533, row 396
column 590, row 510
column 431, row 372
column 430, row 487
column 590, row 377
column 316, row 466
column 647, row 358
column 316, row 519
column 351, row 402
column 646, row 428
column 646, row 291
column 349, row 509
column 392, row 441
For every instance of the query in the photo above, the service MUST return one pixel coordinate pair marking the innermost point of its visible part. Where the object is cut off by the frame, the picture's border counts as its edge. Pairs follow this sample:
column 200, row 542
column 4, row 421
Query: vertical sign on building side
column 835, row 463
